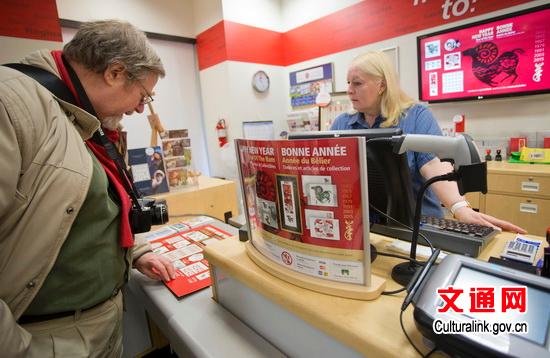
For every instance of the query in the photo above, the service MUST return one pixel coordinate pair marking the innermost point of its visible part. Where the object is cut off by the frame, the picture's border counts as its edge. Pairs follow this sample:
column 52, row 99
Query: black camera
column 150, row 212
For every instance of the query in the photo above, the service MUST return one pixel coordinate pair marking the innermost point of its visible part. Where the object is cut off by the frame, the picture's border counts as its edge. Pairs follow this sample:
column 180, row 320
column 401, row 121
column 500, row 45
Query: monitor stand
column 373, row 253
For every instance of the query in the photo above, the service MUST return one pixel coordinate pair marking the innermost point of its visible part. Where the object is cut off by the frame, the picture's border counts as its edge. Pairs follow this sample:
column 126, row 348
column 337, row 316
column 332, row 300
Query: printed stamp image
column 289, row 203
column 314, row 179
column 323, row 228
column 322, row 195
column 268, row 212
column 311, row 213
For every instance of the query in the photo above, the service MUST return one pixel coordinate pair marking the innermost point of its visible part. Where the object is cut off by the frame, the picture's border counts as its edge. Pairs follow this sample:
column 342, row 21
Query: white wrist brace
column 458, row 205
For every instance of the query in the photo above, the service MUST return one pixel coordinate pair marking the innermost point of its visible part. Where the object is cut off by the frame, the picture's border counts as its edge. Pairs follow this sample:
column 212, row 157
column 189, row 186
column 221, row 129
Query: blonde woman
column 379, row 102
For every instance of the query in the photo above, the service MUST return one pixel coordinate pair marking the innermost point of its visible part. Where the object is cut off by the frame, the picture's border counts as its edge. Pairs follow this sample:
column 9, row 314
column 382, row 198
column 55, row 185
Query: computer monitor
column 388, row 177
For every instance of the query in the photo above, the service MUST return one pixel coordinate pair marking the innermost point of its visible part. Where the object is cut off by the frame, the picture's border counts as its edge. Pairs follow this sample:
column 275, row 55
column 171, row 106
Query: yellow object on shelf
column 535, row 155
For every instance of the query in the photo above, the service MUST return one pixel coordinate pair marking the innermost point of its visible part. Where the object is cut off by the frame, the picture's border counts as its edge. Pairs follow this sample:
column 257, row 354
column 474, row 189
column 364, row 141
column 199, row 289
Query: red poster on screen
column 185, row 250
column 305, row 204
column 498, row 57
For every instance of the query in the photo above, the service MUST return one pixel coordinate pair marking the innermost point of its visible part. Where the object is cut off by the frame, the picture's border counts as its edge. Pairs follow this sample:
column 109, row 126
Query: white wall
column 227, row 87
column 259, row 13
column 227, row 93
column 279, row 15
column 171, row 17
column 216, row 104
column 206, row 13
column 497, row 118
column 296, row 13
column 14, row 48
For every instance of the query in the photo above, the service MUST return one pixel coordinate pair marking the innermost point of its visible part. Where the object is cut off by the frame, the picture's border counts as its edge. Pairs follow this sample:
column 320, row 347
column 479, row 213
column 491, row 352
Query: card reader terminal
column 466, row 273
column 521, row 249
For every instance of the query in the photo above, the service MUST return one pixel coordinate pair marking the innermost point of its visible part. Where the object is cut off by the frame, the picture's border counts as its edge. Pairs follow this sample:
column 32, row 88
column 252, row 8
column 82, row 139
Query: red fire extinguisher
column 460, row 123
column 221, row 129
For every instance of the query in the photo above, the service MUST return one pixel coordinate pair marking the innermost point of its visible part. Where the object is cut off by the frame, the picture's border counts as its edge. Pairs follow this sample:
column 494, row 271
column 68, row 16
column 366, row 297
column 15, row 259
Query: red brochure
column 185, row 250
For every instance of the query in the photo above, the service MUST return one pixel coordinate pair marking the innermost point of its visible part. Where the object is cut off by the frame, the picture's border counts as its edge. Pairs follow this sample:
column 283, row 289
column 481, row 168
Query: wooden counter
column 369, row 327
column 211, row 196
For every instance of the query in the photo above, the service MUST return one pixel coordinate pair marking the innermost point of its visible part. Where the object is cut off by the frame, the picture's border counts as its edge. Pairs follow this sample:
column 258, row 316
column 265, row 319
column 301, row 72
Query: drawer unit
column 519, row 193
column 533, row 214
column 529, row 185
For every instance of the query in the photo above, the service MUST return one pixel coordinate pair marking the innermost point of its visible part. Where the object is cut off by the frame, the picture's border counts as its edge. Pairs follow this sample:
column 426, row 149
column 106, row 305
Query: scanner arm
column 462, row 149
column 470, row 174
column 470, row 168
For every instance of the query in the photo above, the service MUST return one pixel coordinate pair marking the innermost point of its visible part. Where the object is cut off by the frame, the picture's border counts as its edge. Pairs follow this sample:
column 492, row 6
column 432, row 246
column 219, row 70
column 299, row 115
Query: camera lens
column 159, row 213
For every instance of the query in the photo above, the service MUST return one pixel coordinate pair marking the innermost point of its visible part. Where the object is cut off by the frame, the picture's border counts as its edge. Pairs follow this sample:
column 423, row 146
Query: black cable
column 387, row 293
column 410, row 340
column 406, row 335
column 403, row 225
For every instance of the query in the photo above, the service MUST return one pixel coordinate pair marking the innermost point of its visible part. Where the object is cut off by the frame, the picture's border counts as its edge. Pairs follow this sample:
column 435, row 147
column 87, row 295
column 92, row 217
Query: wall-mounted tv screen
column 498, row 57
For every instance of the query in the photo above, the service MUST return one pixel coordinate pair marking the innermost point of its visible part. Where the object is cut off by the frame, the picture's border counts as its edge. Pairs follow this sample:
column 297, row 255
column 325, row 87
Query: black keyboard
column 457, row 226
column 445, row 234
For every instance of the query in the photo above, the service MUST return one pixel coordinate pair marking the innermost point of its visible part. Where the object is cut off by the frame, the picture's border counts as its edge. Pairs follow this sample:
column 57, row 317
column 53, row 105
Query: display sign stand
column 377, row 284
column 306, row 204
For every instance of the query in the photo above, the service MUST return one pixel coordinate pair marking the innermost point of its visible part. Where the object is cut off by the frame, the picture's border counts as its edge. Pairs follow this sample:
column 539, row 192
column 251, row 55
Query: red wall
column 30, row 19
column 366, row 22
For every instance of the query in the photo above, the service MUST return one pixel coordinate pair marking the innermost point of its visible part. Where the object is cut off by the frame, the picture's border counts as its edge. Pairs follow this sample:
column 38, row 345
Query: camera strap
column 127, row 179
column 55, row 85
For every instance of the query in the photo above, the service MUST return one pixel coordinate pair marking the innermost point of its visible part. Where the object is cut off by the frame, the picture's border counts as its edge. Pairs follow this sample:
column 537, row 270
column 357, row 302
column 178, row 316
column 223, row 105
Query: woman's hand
column 467, row 215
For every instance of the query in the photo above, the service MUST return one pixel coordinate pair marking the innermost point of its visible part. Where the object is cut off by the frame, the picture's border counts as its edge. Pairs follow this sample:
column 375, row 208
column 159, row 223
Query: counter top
column 518, row 168
column 369, row 327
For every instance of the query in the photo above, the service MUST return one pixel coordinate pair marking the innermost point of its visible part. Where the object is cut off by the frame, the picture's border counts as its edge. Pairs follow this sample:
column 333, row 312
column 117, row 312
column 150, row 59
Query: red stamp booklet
column 185, row 250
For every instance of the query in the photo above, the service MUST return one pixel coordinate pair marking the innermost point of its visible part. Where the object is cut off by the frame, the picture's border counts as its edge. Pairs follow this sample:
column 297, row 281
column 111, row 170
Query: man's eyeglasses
column 148, row 98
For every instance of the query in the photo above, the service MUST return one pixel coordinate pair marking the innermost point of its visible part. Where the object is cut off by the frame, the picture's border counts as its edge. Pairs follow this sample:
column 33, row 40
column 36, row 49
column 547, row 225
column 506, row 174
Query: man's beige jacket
column 45, row 172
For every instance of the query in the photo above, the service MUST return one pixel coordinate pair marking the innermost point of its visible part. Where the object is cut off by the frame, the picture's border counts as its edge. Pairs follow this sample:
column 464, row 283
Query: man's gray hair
column 98, row 44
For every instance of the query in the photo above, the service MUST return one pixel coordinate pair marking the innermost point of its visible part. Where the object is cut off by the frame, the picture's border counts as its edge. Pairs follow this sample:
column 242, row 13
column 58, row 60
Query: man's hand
column 467, row 215
column 155, row 266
